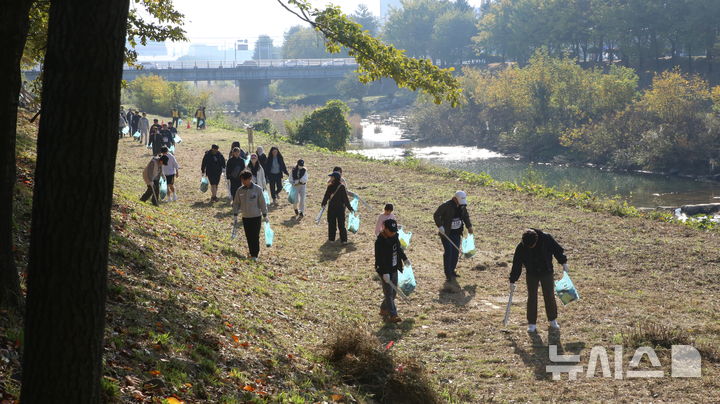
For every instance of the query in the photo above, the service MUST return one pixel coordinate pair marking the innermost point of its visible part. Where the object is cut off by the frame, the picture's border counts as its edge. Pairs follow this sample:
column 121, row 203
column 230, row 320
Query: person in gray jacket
column 450, row 218
column 250, row 202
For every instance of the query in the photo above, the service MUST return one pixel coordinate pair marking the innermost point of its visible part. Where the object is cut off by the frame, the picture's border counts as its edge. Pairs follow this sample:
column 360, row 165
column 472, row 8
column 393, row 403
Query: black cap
column 216, row 147
column 391, row 225
column 335, row 175
column 301, row 163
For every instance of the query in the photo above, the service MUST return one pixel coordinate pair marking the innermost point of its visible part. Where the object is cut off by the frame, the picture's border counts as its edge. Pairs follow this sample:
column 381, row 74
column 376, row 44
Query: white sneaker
column 554, row 324
column 532, row 328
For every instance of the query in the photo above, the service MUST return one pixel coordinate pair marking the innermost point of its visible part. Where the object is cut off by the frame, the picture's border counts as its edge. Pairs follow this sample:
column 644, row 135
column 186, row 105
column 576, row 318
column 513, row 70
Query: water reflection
column 639, row 189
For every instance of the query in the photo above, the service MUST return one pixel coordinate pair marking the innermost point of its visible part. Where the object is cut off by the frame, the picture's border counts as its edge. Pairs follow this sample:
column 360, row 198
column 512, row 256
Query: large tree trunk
column 77, row 145
column 13, row 31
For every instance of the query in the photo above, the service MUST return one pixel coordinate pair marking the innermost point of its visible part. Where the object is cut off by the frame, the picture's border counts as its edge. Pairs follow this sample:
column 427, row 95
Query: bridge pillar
column 254, row 94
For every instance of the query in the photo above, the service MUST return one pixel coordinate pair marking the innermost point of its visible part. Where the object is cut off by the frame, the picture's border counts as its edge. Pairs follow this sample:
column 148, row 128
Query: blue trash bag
column 171, row 149
column 163, row 188
column 125, row 130
column 404, row 238
column 287, row 186
column 565, row 289
column 204, row 184
column 178, row 139
column 353, row 223
column 355, row 203
column 266, row 195
column 269, row 235
column 136, row 135
column 292, row 195
column 247, row 161
column 468, row 246
column 406, row 280
column 194, row 120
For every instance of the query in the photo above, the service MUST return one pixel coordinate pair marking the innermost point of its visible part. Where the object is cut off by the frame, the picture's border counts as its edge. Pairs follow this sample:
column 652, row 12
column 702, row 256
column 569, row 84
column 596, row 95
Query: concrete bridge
column 252, row 77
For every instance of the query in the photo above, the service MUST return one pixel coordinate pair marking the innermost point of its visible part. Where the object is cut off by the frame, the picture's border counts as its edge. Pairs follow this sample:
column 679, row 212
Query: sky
column 219, row 22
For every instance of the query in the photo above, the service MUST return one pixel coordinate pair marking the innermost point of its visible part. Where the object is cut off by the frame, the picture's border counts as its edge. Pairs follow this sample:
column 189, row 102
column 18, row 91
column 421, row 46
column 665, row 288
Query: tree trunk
column 77, row 146
column 13, row 31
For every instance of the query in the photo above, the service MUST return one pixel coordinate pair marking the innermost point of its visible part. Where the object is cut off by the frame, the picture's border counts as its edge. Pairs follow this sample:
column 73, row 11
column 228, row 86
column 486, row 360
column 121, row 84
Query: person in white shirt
column 299, row 179
column 171, row 171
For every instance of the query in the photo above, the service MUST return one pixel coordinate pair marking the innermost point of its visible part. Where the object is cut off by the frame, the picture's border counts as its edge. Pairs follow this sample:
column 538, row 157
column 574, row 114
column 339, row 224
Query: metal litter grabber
column 509, row 303
column 233, row 235
column 460, row 253
column 396, row 289
column 318, row 218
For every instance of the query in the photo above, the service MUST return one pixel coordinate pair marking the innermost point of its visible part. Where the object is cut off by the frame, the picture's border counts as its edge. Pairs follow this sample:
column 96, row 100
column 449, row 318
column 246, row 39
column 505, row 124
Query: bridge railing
column 248, row 64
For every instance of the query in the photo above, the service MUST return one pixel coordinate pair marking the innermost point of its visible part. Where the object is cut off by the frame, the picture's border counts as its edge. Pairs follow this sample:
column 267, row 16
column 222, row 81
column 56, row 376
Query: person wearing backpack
column 535, row 252
column 151, row 175
column 449, row 219
column 336, row 199
column 212, row 165
column 389, row 259
column 235, row 167
column 250, row 202
column 299, row 179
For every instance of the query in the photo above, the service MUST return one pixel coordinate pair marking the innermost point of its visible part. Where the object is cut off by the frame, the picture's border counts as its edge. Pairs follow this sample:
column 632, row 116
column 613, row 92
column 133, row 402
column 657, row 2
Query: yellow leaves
column 173, row 400
column 154, row 372
column 336, row 397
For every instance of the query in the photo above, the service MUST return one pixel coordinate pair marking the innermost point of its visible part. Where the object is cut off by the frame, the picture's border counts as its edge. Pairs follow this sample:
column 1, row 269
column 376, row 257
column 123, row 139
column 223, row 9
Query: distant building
column 152, row 49
column 385, row 6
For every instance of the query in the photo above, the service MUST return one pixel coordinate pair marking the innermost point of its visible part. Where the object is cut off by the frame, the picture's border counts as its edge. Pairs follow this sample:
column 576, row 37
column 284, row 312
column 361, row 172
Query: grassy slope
column 179, row 291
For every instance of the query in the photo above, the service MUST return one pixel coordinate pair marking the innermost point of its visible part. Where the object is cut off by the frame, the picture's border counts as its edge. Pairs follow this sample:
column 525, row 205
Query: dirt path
column 627, row 270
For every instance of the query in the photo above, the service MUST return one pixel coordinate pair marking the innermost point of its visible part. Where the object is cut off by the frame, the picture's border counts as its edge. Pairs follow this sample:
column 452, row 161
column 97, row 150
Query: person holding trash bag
column 235, row 167
column 274, row 169
column 389, row 259
column 535, row 252
column 257, row 171
column 250, row 202
column 262, row 157
column 170, row 171
column 450, row 218
column 299, row 179
column 336, row 198
column 151, row 175
column 212, row 166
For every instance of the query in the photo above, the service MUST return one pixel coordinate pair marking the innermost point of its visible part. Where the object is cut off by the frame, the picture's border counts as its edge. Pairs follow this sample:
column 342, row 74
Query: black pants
column 175, row 121
column 548, row 289
column 336, row 221
column 252, row 234
column 234, row 185
column 152, row 193
column 275, row 181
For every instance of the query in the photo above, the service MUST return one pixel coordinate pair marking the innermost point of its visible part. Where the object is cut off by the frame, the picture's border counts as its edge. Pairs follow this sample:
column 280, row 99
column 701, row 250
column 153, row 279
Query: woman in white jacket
column 256, row 168
column 299, row 179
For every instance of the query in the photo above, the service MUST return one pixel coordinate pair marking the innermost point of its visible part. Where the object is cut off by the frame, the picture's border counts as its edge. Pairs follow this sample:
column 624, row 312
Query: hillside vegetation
column 189, row 318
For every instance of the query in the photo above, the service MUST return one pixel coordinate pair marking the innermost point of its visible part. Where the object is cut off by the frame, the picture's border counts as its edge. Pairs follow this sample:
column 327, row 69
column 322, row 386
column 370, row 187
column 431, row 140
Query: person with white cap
column 450, row 218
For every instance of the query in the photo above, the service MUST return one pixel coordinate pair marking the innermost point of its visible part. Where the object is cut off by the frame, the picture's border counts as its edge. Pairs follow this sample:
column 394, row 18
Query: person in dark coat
column 162, row 138
column 262, row 157
column 535, row 252
column 389, row 259
column 450, row 219
column 235, row 167
column 135, row 123
column 213, row 164
column 336, row 199
column 274, row 170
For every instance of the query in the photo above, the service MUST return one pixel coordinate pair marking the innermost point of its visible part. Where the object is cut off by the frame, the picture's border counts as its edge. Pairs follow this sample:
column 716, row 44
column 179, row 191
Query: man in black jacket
column 389, row 259
column 450, row 218
column 536, row 252
column 213, row 164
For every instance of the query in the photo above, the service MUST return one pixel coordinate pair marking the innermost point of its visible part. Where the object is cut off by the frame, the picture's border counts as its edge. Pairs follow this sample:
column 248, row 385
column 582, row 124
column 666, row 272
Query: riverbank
column 263, row 328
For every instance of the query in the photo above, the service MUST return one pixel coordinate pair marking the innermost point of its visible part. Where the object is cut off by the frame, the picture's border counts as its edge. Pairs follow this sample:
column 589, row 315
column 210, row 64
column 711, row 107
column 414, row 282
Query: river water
column 639, row 189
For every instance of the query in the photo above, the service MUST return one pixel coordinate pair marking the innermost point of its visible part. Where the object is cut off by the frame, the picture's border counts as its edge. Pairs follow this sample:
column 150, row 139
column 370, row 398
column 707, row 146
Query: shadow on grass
column 538, row 356
column 331, row 250
column 452, row 293
column 395, row 332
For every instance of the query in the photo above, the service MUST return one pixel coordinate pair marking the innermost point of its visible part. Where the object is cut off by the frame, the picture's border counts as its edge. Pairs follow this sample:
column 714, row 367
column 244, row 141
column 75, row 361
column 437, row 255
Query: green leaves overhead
column 376, row 59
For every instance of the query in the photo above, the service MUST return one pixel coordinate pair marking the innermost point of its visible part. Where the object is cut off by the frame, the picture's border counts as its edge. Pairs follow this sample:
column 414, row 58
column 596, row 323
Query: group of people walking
column 249, row 176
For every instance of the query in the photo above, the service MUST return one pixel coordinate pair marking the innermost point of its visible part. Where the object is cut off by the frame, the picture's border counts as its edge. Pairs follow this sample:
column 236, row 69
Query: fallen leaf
column 245, row 344
column 249, row 388
column 236, row 338
column 389, row 345
column 173, row 400
column 336, row 397
column 154, row 372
